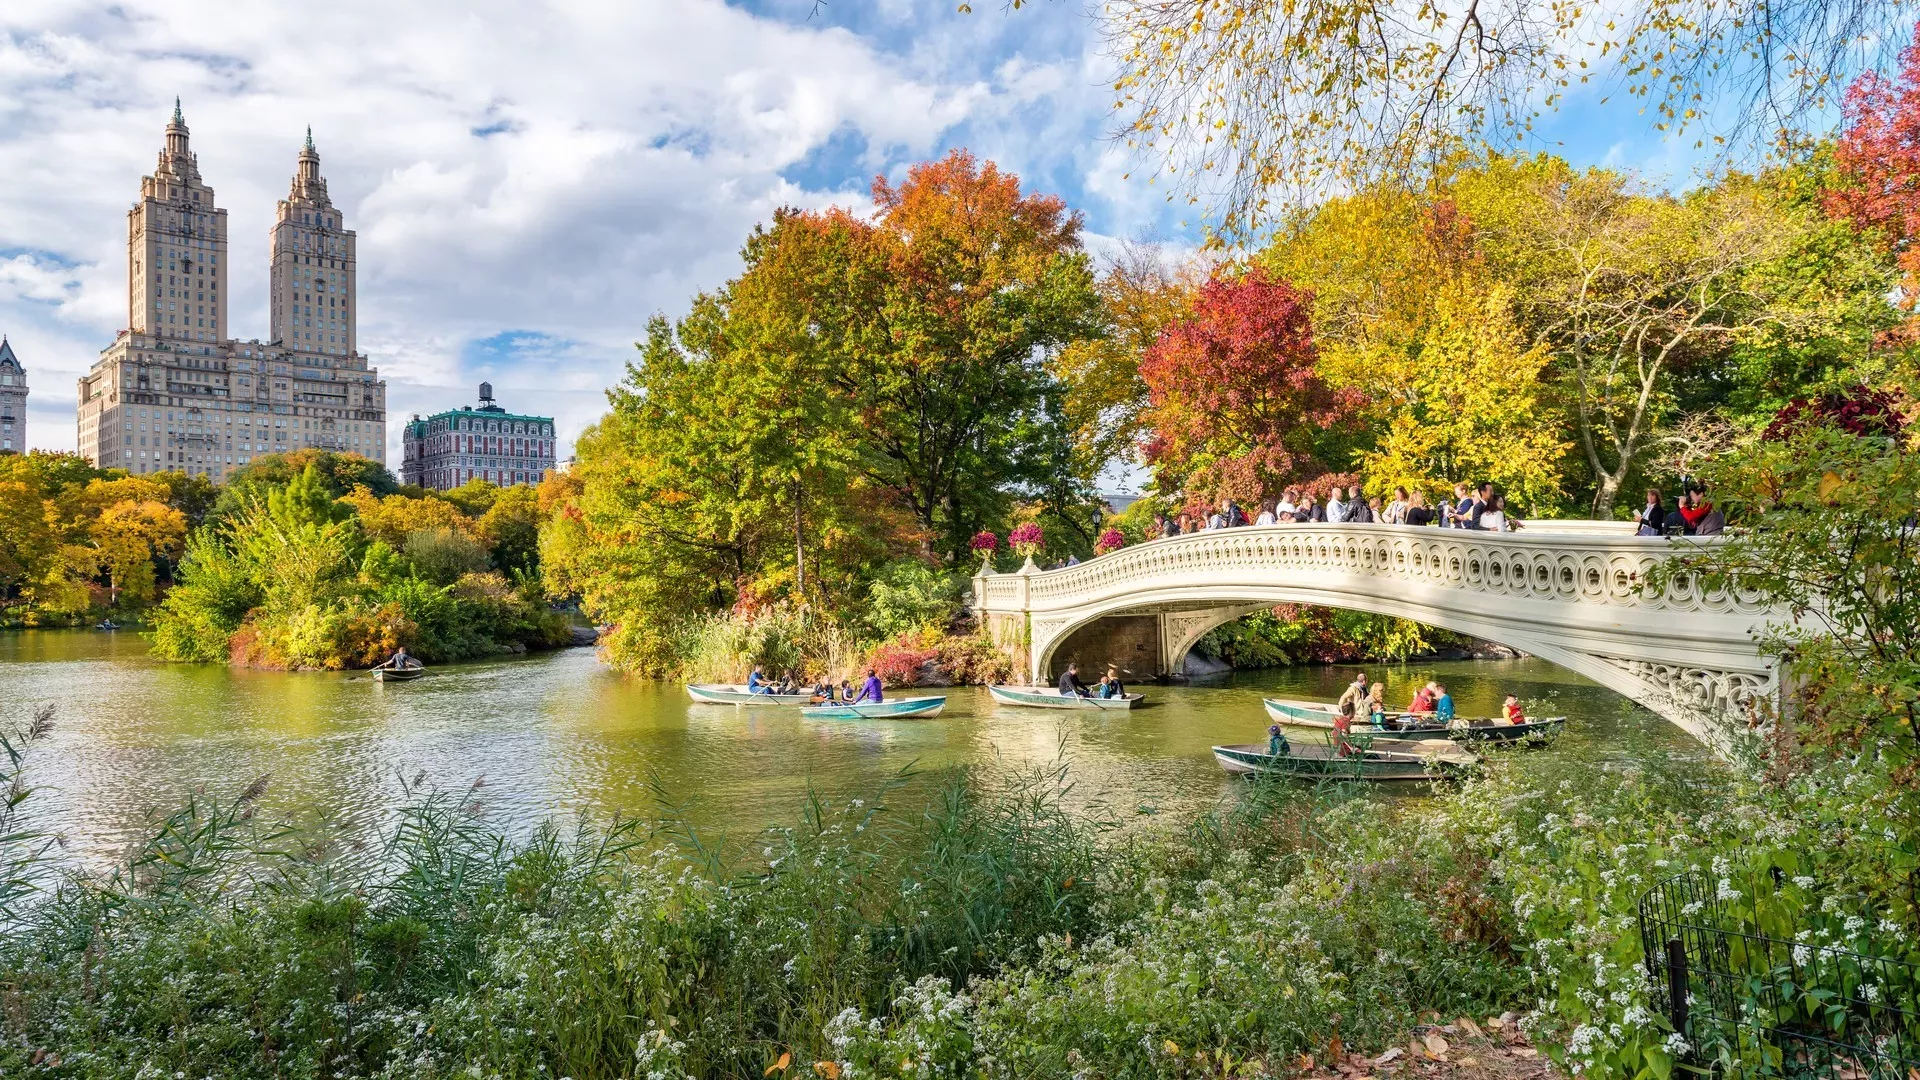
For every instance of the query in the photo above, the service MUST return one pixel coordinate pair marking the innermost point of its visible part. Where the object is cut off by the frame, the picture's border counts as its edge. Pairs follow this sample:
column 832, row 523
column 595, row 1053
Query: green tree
column 337, row 473
column 511, row 529
column 1631, row 289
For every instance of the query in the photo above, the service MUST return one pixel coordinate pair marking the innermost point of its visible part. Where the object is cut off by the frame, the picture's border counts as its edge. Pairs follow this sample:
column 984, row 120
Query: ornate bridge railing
column 1577, row 598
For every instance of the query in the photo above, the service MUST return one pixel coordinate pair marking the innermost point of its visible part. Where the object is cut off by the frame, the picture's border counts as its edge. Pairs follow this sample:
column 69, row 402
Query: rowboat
column 1316, row 715
column 1323, row 762
column 737, row 694
column 387, row 674
column 901, row 709
column 1047, row 697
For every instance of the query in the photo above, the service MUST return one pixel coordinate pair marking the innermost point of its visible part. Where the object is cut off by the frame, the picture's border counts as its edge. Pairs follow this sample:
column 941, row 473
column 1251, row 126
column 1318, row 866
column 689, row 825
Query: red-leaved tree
column 1877, row 156
column 1233, row 397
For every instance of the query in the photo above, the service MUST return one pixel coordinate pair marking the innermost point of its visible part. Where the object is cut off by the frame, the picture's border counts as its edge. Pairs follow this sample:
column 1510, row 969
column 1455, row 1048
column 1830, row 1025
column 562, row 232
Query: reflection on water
column 559, row 733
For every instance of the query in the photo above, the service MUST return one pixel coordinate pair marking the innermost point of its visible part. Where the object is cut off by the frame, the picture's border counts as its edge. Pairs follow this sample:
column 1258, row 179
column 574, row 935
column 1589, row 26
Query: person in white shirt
column 1397, row 509
column 1286, row 504
column 1266, row 513
column 1337, row 506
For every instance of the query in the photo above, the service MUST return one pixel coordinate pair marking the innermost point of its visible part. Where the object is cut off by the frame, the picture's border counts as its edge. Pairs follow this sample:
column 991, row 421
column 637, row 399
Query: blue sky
column 531, row 181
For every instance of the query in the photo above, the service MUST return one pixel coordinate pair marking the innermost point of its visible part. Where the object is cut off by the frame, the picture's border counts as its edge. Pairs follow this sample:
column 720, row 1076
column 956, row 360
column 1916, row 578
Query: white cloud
column 564, row 168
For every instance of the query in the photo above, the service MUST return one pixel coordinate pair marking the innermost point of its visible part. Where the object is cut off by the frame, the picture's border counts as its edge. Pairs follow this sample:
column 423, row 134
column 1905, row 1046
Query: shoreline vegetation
column 961, row 924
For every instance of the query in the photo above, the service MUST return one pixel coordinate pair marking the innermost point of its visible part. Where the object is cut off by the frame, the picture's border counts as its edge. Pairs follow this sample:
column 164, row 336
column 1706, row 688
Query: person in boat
column 1510, row 713
column 1377, row 705
column 757, row 681
column 822, row 693
column 1355, row 693
column 1443, row 706
column 1342, row 728
column 400, row 661
column 846, row 691
column 1110, row 684
column 1070, row 684
column 1422, row 703
column 1277, row 745
column 869, row 690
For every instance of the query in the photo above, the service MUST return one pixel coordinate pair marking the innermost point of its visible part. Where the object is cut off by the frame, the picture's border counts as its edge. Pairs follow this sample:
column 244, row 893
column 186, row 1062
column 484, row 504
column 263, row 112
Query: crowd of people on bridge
column 1480, row 508
column 1471, row 507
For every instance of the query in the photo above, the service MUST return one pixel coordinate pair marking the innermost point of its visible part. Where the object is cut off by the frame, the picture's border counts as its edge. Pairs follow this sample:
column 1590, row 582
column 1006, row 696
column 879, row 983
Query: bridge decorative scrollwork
column 1577, row 598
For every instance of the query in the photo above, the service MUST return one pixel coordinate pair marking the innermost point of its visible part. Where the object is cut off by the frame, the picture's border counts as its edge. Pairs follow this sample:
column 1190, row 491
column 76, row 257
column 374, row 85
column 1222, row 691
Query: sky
column 532, row 180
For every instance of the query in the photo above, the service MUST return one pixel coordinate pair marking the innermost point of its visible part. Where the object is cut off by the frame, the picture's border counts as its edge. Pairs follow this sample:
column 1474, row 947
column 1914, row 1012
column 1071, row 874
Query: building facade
column 175, row 391
column 13, row 401
column 489, row 443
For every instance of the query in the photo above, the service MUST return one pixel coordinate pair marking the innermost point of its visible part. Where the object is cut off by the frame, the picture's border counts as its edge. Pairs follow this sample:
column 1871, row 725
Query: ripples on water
column 559, row 734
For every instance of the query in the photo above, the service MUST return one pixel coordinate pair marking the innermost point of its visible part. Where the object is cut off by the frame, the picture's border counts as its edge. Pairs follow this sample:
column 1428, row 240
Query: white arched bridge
column 1573, row 593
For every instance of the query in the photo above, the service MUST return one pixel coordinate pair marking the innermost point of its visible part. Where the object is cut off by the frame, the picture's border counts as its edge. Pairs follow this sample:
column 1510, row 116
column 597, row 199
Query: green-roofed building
column 445, row 450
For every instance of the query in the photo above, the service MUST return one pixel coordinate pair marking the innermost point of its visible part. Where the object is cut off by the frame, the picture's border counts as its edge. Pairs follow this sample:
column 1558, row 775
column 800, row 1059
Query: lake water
column 560, row 733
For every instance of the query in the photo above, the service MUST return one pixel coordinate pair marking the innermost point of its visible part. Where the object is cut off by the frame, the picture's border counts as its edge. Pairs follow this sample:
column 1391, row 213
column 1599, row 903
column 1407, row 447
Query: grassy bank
column 982, row 931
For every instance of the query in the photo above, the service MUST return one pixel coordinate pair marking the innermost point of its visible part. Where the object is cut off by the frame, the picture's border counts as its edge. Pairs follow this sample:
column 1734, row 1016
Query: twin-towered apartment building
column 176, row 391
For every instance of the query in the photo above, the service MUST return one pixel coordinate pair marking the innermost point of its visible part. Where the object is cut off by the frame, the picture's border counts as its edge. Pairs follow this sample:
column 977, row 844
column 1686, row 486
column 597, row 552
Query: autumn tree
column 947, row 362
column 128, row 536
column 1248, row 108
column 1234, row 399
column 1142, row 293
column 1472, row 408
column 1876, row 159
column 1628, row 288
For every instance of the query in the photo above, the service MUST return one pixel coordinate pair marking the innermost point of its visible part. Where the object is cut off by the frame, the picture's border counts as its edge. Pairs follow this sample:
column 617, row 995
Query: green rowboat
column 1325, row 763
column 1046, row 697
column 737, row 694
column 1315, row 715
column 913, row 708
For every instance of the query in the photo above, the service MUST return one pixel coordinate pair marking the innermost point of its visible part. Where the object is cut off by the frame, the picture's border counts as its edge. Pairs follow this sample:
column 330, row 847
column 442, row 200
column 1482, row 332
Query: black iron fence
column 1750, row 1005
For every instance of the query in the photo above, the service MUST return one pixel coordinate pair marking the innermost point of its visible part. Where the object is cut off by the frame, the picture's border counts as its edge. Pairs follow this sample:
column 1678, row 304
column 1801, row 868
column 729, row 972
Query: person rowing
column 1070, row 684
column 869, row 690
column 399, row 661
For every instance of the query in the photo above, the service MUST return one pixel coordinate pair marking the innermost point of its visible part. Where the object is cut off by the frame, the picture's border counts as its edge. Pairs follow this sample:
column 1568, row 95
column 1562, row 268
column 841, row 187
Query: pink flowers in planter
column 984, row 544
column 1111, row 540
column 1026, row 540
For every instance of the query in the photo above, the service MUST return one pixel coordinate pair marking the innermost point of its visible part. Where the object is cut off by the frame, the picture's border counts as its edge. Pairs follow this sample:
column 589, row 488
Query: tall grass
column 964, row 922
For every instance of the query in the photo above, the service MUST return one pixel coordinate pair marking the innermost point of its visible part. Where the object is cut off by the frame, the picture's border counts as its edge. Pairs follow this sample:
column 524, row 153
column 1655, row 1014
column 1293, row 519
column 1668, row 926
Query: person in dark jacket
column 1070, row 684
column 1653, row 516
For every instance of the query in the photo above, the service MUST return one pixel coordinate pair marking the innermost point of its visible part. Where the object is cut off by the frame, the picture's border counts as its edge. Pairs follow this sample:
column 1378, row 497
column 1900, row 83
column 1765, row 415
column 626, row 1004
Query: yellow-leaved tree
column 1470, row 406
column 128, row 535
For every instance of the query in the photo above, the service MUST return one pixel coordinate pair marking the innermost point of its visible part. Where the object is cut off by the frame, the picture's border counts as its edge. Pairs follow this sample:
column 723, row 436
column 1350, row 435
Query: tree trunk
column 799, row 548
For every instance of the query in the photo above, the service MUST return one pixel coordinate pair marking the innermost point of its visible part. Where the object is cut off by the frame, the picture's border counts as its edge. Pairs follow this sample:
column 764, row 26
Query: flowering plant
column 984, row 544
column 1111, row 540
column 1026, row 539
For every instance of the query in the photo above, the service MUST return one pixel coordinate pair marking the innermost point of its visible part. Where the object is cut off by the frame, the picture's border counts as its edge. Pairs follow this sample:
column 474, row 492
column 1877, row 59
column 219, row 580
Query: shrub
column 899, row 663
column 972, row 660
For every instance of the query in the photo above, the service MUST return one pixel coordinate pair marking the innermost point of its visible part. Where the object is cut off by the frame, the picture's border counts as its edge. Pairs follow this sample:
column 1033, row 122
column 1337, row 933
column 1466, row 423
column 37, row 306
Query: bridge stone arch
column 1572, row 597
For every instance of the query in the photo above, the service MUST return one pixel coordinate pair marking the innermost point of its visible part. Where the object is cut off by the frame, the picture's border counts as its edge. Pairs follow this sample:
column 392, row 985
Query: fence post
column 1677, row 987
